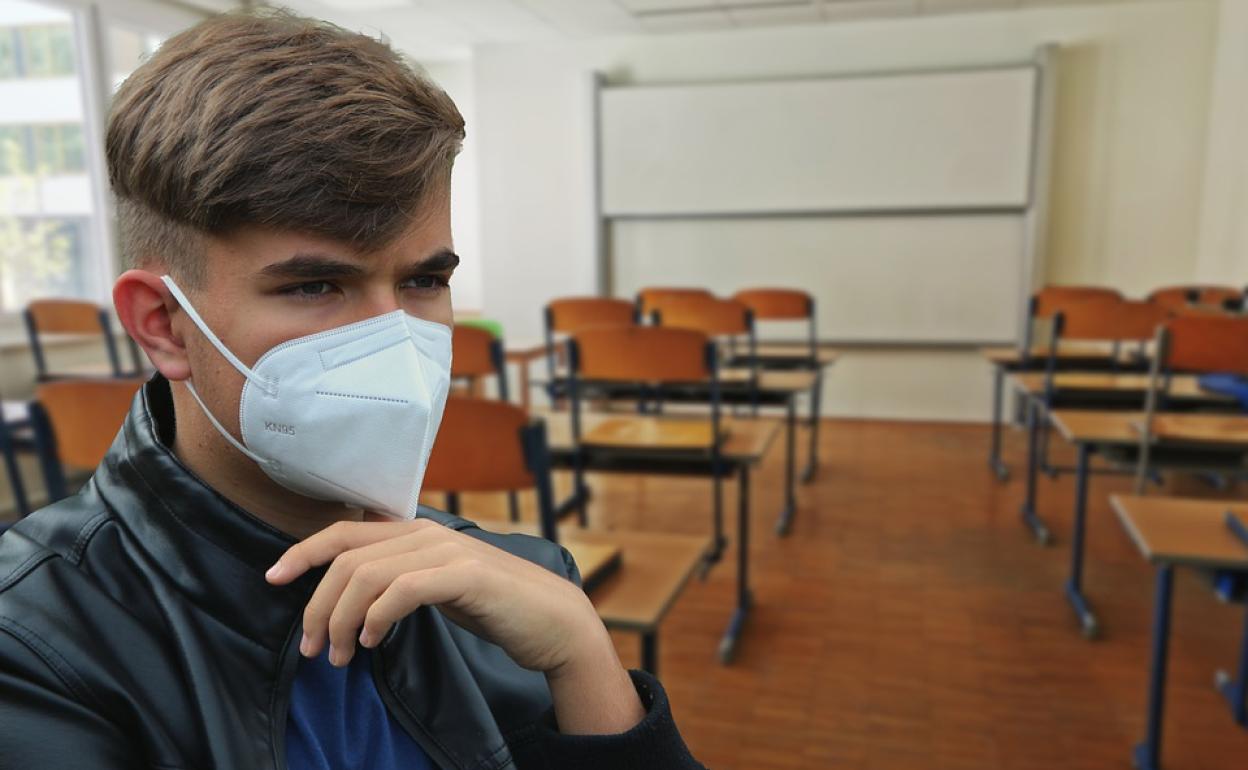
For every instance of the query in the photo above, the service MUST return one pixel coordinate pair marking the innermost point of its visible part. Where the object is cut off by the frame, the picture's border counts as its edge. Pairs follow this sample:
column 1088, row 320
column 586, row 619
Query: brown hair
column 278, row 121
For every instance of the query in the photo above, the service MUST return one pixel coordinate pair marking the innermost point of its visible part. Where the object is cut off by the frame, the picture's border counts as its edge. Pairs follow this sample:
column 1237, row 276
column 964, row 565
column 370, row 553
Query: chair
column 1189, row 344
column 1175, row 297
column 720, row 319
column 75, row 423
column 490, row 446
column 652, row 359
column 1096, row 317
column 633, row 578
column 653, row 298
column 783, row 305
column 573, row 314
column 67, row 316
column 1103, row 318
column 476, row 354
column 1051, row 300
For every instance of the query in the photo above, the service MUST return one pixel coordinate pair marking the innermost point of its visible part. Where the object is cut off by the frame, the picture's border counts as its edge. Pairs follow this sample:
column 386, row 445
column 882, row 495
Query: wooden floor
column 910, row 622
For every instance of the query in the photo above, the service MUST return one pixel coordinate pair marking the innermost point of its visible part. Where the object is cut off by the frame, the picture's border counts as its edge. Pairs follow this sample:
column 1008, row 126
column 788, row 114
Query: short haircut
column 273, row 120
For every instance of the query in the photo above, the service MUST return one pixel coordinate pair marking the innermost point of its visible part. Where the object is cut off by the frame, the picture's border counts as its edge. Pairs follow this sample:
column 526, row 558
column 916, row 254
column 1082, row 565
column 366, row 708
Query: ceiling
column 447, row 29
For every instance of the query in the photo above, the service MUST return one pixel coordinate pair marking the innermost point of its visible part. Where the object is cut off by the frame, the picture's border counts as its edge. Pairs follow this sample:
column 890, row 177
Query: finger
column 369, row 582
column 322, row 547
column 328, row 592
column 450, row 584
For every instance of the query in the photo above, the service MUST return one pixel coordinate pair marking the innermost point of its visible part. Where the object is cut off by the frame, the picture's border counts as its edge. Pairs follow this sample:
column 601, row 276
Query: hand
column 382, row 571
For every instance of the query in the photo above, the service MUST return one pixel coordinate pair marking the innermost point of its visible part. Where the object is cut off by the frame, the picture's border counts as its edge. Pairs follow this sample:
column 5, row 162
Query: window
column 48, row 241
column 55, row 231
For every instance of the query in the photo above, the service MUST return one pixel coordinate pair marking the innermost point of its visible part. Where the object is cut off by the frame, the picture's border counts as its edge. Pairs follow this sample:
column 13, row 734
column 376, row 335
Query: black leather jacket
column 137, row 630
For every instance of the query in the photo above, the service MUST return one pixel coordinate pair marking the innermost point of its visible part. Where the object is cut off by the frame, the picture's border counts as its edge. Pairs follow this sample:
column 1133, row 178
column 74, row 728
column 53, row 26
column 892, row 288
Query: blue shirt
column 338, row 722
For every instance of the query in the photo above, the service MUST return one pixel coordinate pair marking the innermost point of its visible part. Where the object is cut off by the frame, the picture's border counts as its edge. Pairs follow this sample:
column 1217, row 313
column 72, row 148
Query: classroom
column 734, row 384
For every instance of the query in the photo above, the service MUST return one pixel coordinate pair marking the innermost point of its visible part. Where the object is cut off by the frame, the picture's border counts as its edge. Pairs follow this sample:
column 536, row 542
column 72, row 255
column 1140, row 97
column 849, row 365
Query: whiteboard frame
column 1034, row 211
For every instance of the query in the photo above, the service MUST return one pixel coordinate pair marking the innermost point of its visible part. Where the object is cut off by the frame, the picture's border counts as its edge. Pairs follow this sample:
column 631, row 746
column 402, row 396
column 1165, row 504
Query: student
column 247, row 581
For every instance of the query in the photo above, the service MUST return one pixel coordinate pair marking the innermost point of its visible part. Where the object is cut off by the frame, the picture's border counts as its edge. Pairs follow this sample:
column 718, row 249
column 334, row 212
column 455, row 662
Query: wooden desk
column 1090, row 390
column 596, row 561
column 1183, row 532
column 1092, row 431
column 1075, row 353
column 1070, row 357
column 795, row 357
column 774, row 388
column 669, row 434
column 1174, row 532
column 778, row 381
column 747, row 442
column 653, row 570
column 1182, row 387
column 1212, row 430
column 792, row 353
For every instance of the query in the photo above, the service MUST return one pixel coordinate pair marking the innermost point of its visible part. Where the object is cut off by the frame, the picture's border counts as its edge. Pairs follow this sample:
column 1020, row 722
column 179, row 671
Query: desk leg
column 785, row 521
column 1236, row 688
column 1074, row 585
column 995, row 463
column 1030, row 519
column 745, row 599
column 816, row 409
column 650, row 652
column 1148, row 754
column 717, row 514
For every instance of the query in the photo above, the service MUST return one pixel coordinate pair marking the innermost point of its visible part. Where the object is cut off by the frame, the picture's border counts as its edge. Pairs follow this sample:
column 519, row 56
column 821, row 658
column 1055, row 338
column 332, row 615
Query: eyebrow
column 323, row 266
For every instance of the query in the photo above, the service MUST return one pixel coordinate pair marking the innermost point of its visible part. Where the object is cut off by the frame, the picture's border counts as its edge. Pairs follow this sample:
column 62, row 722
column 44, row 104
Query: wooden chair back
column 1175, row 297
column 75, row 423
column 777, row 304
column 572, row 314
column 71, row 316
column 713, row 317
column 641, row 354
column 491, row 446
column 476, row 353
column 654, row 298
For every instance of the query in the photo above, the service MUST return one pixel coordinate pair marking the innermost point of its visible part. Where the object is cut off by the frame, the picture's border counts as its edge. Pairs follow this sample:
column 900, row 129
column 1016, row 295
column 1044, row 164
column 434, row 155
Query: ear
column 146, row 307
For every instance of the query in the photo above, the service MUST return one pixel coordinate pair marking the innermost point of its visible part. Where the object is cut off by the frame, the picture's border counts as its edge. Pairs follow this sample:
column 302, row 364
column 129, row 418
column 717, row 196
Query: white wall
column 1223, row 250
column 1129, row 153
column 455, row 77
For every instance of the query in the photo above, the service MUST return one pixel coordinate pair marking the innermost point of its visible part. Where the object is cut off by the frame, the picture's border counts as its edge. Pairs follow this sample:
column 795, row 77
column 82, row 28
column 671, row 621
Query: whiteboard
column 903, row 279
column 943, row 140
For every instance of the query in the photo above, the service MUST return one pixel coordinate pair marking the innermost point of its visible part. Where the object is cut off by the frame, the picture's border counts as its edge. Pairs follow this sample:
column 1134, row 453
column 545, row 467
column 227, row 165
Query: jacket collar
column 213, row 550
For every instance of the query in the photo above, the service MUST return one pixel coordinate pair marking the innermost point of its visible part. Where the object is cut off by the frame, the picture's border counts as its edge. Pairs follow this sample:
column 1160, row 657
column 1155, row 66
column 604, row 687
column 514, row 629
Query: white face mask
column 348, row 414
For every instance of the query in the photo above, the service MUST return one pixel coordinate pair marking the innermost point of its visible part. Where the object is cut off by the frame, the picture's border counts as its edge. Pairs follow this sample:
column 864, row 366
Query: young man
column 247, row 581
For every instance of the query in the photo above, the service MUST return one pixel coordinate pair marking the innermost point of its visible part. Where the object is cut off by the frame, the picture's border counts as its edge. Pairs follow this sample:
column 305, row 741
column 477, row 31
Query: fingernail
column 366, row 638
column 305, row 644
column 275, row 571
column 333, row 656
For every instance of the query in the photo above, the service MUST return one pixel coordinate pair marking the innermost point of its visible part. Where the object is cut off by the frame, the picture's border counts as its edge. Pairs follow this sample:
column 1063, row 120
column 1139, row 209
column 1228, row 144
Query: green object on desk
column 489, row 324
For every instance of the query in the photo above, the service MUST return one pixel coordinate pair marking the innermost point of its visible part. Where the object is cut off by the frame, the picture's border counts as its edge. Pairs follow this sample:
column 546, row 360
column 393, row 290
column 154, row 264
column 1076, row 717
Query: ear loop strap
column 243, row 369
column 239, row 365
column 221, row 428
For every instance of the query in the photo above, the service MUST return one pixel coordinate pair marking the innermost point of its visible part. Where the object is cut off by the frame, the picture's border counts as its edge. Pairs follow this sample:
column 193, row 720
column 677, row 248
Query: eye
column 431, row 284
column 310, row 290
